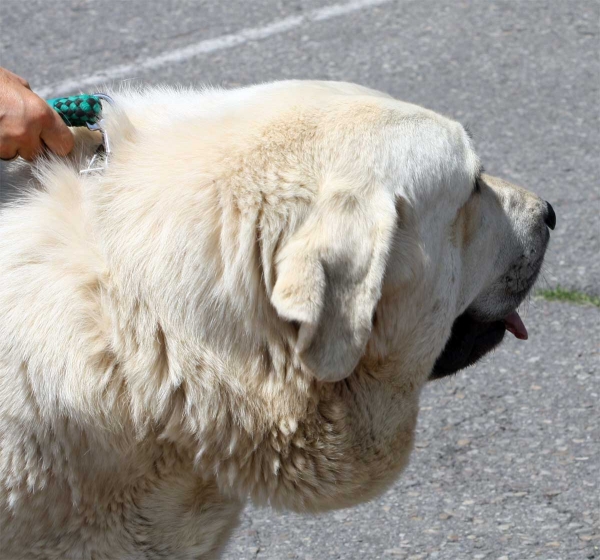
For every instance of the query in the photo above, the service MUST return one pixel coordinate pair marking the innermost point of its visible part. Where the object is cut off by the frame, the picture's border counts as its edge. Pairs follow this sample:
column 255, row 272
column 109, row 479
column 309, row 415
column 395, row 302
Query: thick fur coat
column 245, row 304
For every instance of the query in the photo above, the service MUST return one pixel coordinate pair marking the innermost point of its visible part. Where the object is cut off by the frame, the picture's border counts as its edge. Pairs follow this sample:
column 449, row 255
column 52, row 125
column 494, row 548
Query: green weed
column 571, row 296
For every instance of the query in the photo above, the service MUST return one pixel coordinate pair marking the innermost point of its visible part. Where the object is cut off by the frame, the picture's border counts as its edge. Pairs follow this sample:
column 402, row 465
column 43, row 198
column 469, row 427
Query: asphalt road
column 507, row 463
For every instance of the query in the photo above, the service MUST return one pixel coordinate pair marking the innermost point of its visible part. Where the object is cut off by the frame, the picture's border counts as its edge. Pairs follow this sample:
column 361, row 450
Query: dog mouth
column 471, row 339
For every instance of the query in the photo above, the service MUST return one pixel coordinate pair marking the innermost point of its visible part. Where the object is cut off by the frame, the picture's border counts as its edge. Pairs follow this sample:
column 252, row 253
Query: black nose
column 550, row 216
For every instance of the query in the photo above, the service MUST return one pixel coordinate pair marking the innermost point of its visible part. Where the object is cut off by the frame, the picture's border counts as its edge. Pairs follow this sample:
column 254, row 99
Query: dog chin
column 471, row 339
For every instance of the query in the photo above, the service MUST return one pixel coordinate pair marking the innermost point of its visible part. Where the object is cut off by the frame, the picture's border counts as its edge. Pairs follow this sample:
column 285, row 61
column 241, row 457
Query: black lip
column 470, row 341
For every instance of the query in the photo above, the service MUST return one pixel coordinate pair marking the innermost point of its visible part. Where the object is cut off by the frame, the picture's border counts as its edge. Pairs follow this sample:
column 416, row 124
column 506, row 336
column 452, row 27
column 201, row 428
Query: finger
column 8, row 151
column 31, row 149
column 56, row 135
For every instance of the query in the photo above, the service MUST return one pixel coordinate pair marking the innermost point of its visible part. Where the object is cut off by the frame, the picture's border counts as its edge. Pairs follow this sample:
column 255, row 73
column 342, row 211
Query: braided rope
column 77, row 110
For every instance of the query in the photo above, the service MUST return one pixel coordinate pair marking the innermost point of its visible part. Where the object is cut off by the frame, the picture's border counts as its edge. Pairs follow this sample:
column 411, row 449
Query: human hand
column 27, row 122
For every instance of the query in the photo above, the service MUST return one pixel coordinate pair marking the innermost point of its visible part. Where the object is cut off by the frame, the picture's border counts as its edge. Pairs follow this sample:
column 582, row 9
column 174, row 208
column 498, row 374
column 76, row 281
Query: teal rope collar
column 77, row 110
column 86, row 110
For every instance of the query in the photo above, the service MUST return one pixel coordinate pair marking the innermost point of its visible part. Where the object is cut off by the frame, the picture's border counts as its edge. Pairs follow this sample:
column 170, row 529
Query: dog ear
column 329, row 277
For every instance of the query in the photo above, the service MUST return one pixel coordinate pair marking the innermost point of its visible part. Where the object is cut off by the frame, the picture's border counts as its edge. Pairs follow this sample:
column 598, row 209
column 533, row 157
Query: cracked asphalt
column 507, row 459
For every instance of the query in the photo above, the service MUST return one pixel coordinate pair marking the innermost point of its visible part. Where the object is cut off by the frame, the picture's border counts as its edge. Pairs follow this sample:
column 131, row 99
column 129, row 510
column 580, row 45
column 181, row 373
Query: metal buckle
column 104, row 147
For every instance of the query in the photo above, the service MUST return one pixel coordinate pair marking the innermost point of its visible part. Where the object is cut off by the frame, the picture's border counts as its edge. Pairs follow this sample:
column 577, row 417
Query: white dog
column 246, row 303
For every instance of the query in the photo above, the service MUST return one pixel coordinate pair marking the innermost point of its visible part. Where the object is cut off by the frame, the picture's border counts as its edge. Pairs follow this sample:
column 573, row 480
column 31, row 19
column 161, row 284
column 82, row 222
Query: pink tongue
column 515, row 325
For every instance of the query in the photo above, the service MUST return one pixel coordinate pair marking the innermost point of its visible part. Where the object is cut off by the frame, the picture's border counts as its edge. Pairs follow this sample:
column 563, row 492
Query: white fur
column 167, row 328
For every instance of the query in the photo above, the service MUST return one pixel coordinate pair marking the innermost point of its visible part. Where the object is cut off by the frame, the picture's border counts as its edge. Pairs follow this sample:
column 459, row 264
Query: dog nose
column 549, row 216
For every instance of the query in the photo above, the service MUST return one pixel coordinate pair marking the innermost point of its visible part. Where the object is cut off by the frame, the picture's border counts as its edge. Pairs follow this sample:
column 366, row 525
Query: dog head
column 407, row 245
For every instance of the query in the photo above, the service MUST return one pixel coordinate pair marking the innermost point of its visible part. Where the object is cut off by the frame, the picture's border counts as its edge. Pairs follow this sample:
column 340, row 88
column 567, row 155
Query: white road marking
column 68, row 87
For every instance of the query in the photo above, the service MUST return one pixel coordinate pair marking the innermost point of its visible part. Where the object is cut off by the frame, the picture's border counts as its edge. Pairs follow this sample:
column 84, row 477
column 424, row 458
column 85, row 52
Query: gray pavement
column 507, row 463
